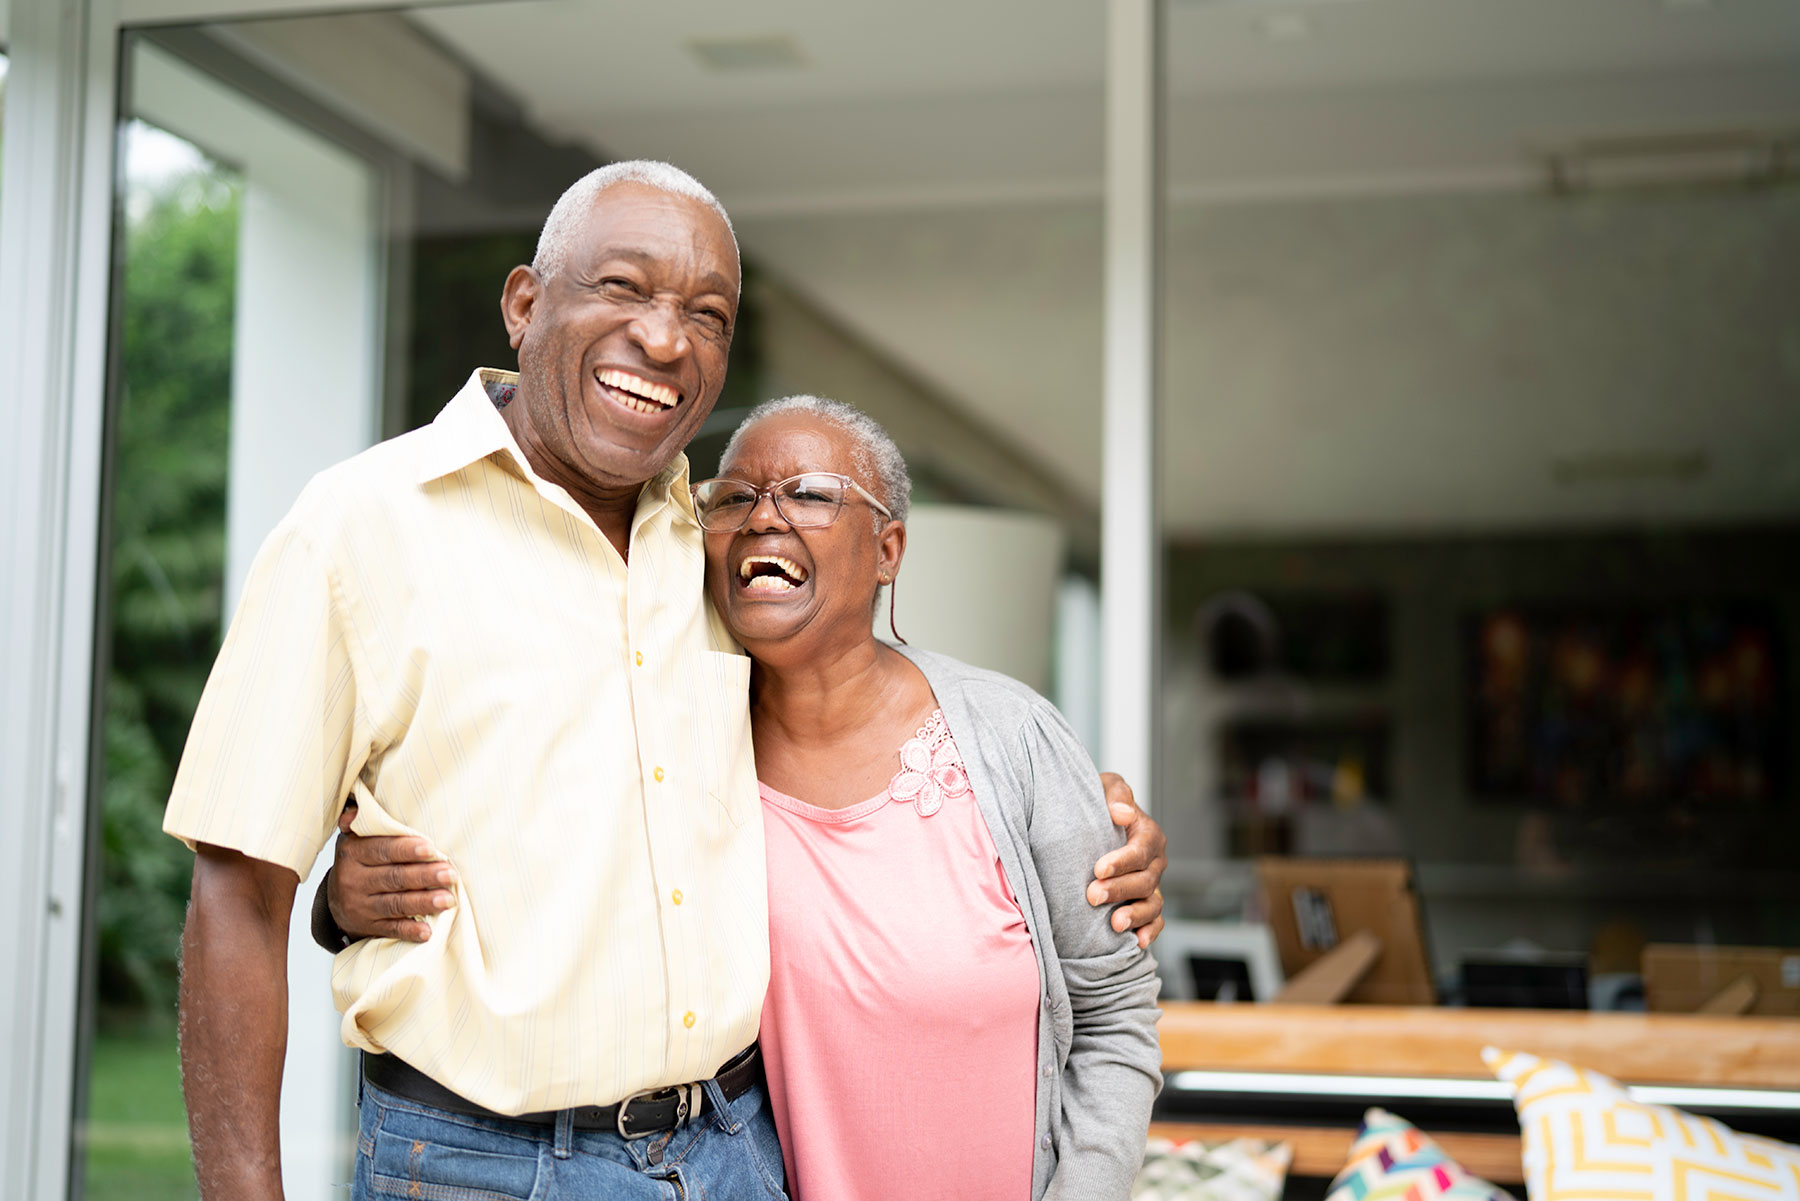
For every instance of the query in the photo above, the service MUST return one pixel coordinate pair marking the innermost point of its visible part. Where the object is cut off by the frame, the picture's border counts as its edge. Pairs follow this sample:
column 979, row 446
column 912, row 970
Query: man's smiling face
column 622, row 351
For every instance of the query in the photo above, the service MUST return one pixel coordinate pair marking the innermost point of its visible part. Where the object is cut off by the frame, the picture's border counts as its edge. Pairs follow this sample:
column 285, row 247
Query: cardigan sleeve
column 1114, row 1064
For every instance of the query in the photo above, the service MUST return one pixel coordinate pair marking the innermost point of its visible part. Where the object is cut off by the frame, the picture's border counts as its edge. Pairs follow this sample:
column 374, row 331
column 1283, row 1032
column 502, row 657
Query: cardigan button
column 1044, row 1142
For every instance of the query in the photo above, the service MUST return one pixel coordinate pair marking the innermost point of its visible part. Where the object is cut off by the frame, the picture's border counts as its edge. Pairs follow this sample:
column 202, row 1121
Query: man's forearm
column 234, row 1022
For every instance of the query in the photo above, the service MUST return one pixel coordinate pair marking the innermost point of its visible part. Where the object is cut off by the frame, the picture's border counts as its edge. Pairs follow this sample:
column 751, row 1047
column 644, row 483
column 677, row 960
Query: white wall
column 1076, row 683
column 979, row 584
column 305, row 366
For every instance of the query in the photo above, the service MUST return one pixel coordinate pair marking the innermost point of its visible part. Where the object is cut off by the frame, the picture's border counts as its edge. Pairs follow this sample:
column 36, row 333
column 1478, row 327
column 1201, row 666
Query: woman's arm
column 377, row 887
column 1114, row 1066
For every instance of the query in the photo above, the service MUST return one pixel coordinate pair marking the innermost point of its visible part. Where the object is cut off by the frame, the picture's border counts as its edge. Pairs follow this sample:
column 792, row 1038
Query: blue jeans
column 405, row 1149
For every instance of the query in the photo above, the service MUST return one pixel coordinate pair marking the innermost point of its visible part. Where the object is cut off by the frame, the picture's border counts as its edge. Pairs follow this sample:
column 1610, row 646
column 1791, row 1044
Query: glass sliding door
column 318, row 213
column 1481, row 474
column 247, row 340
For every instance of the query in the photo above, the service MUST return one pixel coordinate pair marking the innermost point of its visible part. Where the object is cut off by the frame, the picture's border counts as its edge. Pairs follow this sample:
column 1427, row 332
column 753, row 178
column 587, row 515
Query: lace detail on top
column 931, row 771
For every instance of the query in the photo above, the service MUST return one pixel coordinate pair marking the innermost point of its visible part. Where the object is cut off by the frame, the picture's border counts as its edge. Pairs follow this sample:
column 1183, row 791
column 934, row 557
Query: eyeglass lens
column 805, row 500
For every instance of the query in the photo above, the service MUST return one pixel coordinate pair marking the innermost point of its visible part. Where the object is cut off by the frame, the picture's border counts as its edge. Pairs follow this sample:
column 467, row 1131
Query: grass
column 136, row 1136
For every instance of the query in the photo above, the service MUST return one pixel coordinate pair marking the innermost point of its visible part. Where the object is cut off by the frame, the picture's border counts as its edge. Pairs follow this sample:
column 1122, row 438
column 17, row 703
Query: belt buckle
column 687, row 1107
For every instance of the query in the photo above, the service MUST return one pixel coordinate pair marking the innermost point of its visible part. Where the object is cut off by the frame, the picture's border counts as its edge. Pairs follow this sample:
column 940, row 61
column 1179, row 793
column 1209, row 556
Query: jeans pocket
column 757, row 1115
column 413, row 1155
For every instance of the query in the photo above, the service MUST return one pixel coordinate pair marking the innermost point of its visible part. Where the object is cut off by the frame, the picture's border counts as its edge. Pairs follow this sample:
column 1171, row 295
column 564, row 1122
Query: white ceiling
column 930, row 176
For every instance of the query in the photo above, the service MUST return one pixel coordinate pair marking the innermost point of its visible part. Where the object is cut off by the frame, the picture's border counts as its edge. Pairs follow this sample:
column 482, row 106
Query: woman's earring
column 894, row 629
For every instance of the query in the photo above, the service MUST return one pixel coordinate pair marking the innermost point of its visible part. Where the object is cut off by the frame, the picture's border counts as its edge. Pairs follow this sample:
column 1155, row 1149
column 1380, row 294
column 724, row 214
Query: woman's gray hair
column 571, row 209
column 877, row 458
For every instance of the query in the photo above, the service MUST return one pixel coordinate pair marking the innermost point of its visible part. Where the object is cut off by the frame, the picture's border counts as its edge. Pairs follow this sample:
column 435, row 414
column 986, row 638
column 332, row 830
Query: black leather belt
column 638, row 1115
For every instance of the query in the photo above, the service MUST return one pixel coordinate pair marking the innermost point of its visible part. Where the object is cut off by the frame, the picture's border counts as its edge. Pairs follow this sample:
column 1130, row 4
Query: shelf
column 1473, row 881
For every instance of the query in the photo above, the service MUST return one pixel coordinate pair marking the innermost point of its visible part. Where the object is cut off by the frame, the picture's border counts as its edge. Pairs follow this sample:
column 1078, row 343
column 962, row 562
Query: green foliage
column 168, row 559
column 136, row 1126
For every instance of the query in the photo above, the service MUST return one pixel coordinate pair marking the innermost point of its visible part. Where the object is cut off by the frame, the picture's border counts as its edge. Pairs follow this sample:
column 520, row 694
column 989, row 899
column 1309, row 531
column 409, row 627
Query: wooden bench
column 1352, row 1056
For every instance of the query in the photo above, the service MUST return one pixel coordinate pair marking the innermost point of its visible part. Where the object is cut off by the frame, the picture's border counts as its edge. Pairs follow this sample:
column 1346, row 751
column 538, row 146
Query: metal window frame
column 1130, row 523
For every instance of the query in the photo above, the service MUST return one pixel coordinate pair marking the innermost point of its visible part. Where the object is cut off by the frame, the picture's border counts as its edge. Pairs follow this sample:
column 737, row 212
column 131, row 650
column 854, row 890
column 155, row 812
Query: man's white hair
column 878, row 460
column 571, row 209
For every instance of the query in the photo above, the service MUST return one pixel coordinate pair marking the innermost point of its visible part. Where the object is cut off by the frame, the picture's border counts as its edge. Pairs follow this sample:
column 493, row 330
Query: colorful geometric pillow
column 1392, row 1158
column 1585, row 1138
column 1243, row 1169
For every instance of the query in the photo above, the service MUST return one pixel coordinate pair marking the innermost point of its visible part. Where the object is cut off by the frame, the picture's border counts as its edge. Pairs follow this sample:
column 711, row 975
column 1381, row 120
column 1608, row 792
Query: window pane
column 920, row 228
column 181, row 212
column 246, row 334
column 1481, row 476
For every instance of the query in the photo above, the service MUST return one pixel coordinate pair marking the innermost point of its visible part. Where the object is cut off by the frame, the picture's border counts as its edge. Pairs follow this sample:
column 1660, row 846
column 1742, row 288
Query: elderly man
column 492, row 634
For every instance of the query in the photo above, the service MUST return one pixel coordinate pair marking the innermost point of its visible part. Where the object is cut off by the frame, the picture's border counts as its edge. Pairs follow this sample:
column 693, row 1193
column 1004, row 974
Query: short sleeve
column 277, row 740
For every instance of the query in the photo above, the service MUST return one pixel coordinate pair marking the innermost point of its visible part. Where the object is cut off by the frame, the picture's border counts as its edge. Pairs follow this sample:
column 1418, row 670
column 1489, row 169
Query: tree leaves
column 168, row 559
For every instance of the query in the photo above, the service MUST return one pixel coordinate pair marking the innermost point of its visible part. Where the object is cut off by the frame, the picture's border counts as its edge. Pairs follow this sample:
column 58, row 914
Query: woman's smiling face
column 781, row 589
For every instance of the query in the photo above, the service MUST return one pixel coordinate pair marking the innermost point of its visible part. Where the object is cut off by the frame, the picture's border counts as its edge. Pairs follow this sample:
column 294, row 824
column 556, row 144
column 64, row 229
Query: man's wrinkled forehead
column 658, row 229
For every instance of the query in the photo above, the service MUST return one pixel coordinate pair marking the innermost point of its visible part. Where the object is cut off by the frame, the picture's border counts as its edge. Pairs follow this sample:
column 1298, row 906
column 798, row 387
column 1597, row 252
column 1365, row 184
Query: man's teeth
column 640, row 395
column 786, row 575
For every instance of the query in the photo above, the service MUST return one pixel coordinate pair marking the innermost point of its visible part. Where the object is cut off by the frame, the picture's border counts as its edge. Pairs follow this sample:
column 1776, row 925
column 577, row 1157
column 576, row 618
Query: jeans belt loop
column 692, row 1100
column 715, row 1097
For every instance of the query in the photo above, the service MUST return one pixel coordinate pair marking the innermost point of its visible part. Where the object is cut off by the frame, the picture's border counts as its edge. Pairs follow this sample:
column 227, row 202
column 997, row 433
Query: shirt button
column 640, row 658
column 658, row 773
column 676, row 897
column 687, row 1019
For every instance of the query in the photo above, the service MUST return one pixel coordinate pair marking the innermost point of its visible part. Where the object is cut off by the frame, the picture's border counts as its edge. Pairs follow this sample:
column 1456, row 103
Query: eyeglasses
column 804, row 501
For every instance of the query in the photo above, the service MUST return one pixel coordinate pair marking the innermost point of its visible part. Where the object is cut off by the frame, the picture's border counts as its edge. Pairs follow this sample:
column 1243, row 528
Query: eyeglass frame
column 775, row 499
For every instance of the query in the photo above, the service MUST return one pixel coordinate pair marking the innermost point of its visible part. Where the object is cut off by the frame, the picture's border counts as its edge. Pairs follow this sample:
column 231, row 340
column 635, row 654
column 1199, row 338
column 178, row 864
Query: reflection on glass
column 168, row 540
column 4, row 62
column 1479, row 443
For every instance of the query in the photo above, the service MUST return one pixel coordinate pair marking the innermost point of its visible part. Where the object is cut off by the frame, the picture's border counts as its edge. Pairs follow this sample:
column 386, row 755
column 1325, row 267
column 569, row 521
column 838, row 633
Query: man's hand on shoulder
column 379, row 885
column 1131, row 877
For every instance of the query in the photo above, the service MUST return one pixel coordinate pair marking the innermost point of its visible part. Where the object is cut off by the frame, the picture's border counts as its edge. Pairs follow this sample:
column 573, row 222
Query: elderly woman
column 946, row 1017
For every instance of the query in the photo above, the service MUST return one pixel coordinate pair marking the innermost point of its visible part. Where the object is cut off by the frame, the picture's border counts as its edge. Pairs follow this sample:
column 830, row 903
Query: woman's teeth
column 771, row 573
column 639, row 394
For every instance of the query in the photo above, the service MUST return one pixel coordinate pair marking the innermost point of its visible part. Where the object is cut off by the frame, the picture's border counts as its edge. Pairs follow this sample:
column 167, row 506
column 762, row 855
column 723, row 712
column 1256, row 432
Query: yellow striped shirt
column 449, row 638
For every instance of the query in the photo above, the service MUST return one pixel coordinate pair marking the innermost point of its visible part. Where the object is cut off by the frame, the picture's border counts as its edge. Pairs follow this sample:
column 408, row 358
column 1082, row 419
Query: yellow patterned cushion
column 1587, row 1140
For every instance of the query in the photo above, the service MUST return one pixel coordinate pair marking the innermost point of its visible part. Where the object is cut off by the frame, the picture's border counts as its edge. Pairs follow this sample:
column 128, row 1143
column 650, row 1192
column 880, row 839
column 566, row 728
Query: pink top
column 900, row 1026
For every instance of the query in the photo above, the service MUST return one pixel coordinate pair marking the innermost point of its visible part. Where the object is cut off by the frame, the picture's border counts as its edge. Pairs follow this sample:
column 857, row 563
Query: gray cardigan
column 1099, row 1063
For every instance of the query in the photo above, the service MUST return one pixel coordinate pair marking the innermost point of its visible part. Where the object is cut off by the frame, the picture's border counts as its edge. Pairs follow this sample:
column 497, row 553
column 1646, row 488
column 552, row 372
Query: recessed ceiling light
column 771, row 52
column 1285, row 26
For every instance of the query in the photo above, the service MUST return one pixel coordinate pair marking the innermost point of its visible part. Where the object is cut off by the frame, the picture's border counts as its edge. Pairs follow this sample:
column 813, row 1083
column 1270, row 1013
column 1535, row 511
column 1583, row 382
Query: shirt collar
column 470, row 429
